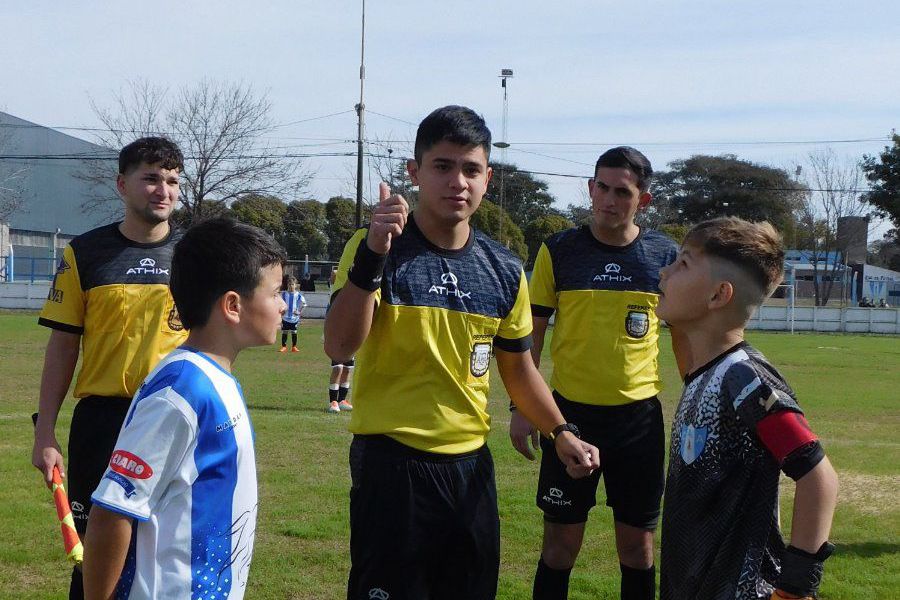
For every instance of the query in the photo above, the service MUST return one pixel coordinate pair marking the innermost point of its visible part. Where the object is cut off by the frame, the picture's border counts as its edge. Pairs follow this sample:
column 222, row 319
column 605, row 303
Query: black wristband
column 801, row 572
column 367, row 268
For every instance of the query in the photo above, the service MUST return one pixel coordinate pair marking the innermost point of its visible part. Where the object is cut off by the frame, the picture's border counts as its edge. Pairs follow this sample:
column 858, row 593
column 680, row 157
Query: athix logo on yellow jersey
column 449, row 287
column 147, row 267
column 611, row 273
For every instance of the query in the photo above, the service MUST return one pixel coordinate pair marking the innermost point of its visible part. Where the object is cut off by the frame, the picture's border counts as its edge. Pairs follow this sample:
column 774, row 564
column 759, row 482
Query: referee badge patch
column 637, row 323
column 480, row 359
column 175, row 323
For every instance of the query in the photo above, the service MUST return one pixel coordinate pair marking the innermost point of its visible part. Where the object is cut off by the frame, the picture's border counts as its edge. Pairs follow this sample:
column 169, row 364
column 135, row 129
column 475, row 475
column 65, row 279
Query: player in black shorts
column 736, row 429
column 602, row 280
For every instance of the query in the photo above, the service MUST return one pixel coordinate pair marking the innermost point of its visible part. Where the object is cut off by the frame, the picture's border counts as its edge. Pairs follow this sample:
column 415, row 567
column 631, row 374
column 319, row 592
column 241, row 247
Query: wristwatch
column 570, row 427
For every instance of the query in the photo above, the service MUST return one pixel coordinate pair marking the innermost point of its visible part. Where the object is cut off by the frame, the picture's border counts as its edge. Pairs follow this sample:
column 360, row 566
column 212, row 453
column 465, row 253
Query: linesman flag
column 74, row 549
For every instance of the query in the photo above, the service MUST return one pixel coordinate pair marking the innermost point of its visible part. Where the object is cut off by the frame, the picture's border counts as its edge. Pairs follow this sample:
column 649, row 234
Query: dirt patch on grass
column 869, row 494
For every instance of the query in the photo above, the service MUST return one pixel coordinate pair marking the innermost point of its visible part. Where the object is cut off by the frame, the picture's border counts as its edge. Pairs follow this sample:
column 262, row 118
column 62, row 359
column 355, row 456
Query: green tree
column 703, row 187
column 883, row 174
column 340, row 224
column 524, row 197
column 265, row 212
column 304, row 222
column 488, row 219
column 675, row 231
column 540, row 229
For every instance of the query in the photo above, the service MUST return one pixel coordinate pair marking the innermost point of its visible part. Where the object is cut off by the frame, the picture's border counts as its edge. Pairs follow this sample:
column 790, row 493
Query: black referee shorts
column 422, row 525
column 96, row 422
column 631, row 440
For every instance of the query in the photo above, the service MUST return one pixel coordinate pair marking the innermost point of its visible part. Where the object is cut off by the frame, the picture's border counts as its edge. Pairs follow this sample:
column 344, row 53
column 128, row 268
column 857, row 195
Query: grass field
column 848, row 385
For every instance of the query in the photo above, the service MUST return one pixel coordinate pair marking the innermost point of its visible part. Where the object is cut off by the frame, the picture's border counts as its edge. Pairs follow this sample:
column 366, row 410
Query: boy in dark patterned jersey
column 427, row 301
column 737, row 426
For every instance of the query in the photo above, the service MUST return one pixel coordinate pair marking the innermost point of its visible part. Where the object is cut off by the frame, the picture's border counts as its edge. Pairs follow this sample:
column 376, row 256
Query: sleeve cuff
column 60, row 326
column 522, row 344
column 119, row 510
column 544, row 312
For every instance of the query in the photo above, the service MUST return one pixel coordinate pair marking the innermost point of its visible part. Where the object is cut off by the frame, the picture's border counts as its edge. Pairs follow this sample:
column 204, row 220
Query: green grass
column 848, row 385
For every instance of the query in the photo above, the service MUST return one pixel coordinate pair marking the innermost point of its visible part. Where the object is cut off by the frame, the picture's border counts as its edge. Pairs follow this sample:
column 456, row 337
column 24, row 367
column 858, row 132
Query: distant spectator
column 883, row 304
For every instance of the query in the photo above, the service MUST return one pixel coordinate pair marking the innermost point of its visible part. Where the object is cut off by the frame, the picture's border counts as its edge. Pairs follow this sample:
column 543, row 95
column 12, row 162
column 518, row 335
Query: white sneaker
column 333, row 408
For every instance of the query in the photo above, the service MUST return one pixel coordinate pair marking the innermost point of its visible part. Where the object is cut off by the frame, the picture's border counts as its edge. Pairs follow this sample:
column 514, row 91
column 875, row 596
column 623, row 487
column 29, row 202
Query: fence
column 27, row 268
column 818, row 318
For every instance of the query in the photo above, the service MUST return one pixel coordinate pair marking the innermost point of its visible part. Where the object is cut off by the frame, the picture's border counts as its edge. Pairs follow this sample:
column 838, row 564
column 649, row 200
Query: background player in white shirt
column 291, row 320
column 175, row 514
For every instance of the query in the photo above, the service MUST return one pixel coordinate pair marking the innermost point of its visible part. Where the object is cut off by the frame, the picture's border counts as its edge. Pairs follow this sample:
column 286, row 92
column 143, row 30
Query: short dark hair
column 756, row 249
column 215, row 257
column 456, row 124
column 626, row 157
column 288, row 279
column 151, row 150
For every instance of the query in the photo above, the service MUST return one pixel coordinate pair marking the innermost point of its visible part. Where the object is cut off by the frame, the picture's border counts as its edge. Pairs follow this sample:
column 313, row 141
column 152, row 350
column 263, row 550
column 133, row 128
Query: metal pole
column 360, row 109
column 505, row 74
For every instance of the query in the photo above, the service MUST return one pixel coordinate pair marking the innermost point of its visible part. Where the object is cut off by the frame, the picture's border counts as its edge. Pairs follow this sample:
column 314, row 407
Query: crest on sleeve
column 637, row 323
column 175, row 323
column 693, row 440
column 480, row 359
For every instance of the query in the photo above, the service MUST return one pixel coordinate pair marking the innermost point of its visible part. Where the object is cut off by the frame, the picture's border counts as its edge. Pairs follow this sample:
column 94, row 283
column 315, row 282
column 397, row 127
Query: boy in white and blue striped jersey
column 175, row 513
column 291, row 320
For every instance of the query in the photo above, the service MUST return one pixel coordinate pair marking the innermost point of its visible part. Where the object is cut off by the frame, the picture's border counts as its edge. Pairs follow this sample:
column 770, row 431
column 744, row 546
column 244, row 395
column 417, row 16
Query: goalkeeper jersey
column 720, row 534
column 604, row 344
column 114, row 292
column 184, row 468
column 422, row 373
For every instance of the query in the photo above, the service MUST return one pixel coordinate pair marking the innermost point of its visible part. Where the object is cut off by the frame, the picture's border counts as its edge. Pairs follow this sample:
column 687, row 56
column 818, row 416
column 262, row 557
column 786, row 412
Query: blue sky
column 671, row 78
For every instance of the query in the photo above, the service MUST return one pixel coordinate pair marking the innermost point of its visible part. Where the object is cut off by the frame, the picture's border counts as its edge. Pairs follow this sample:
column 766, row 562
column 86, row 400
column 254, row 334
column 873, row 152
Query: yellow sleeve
column 514, row 333
column 340, row 278
column 543, row 284
column 64, row 308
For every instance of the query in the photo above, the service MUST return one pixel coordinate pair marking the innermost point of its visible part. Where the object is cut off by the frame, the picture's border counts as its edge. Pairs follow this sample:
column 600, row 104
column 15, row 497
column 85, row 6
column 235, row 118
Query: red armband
column 783, row 432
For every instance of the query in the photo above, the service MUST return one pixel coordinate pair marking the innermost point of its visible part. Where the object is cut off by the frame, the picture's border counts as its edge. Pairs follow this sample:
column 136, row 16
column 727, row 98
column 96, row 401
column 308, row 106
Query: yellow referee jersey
column 422, row 374
column 115, row 293
column 604, row 345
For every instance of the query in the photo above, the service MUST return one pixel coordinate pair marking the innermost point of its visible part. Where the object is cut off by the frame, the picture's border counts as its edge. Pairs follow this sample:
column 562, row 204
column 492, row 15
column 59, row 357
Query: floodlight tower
column 503, row 144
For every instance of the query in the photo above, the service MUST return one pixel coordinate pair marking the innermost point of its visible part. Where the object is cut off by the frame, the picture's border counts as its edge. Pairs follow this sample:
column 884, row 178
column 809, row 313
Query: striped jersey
column 604, row 344
column 184, row 469
column 295, row 303
column 422, row 373
column 114, row 292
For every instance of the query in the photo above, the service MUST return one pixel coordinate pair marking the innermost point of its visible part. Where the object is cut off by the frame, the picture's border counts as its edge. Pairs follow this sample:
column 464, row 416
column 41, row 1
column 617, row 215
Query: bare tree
column 835, row 193
column 12, row 175
column 220, row 127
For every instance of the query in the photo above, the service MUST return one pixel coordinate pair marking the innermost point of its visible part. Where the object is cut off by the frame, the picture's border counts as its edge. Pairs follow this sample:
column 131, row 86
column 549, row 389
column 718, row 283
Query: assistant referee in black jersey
column 109, row 302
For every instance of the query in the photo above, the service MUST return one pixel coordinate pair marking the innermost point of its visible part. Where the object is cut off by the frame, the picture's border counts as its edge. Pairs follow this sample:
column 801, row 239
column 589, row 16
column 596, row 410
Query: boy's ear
column 722, row 294
column 230, row 306
column 412, row 167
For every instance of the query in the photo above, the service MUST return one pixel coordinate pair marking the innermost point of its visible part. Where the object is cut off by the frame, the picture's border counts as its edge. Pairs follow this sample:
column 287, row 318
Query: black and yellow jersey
column 422, row 373
column 115, row 293
column 605, row 335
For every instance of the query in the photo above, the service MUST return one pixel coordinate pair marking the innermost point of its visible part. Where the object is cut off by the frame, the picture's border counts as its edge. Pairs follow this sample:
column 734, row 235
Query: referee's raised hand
column 388, row 220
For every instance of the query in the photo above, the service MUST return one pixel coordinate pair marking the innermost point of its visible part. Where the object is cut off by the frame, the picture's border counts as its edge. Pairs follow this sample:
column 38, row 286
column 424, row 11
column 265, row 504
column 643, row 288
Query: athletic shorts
column 288, row 326
column 422, row 525
column 631, row 440
column 348, row 363
column 96, row 422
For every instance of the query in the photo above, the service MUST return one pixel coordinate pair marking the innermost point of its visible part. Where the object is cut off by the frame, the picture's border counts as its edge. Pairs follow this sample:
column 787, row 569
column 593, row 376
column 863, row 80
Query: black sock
column 550, row 584
column 638, row 584
column 76, row 586
column 283, row 340
column 294, row 339
column 342, row 392
column 332, row 395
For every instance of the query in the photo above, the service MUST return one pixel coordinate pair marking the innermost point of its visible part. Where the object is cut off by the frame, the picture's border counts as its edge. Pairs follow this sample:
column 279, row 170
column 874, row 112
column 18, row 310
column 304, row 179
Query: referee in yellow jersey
column 602, row 281
column 109, row 301
column 427, row 300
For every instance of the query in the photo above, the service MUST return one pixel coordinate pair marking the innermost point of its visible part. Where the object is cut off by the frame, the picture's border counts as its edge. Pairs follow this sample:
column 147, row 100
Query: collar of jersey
column 697, row 373
column 412, row 228
column 586, row 230
column 206, row 358
column 130, row 242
